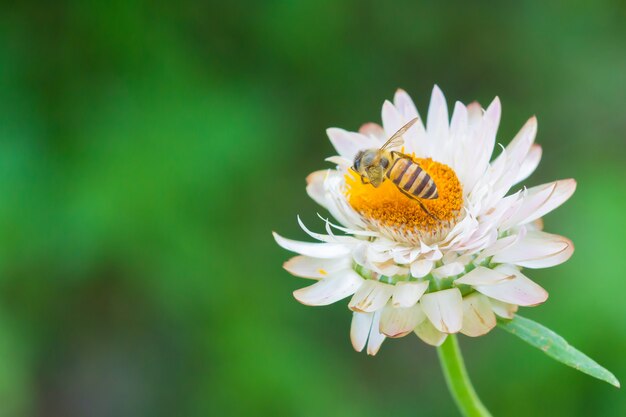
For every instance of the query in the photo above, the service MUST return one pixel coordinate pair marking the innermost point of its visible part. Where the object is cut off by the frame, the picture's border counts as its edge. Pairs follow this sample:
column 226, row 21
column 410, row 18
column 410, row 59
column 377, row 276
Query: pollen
column 387, row 206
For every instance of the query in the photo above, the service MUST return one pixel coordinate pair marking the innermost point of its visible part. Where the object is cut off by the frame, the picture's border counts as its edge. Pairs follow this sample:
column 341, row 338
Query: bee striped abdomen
column 411, row 178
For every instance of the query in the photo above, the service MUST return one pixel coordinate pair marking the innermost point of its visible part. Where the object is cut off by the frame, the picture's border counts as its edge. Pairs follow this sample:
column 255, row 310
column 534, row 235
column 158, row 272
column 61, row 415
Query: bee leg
column 363, row 180
column 412, row 197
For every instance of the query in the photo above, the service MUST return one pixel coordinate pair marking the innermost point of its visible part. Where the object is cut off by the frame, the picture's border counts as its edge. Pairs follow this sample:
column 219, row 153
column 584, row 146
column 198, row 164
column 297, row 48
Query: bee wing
column 396, row 139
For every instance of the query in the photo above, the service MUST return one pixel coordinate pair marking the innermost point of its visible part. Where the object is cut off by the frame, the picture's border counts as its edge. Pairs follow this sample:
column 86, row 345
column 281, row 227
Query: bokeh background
column 147, row 150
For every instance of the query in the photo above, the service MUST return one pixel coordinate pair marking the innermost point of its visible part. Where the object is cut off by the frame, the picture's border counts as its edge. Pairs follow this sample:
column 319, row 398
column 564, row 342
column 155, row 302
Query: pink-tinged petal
column 408, row 293
column 405, row 105
column 483, row 276
column 537, row 250
column 448, row 270
column 373, row 130
column 437, row 123
column 314, row 250
column 542, row 199
column 329, row 290
column 478, row 317
column 347, row 143
column 315, row 187
column 534, row 225
column 474, row 113
column 421, row 268
column 398, row 321
column 530, row 163
column 427, row 332
column 444, row 309
column 376, row 338
column 503, row 309
column 307, row 267
column 371, row 296
column 360, row 329
column 519, row 290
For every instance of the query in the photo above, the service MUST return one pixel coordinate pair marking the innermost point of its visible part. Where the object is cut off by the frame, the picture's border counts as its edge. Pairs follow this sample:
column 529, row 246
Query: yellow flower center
column 387, row 206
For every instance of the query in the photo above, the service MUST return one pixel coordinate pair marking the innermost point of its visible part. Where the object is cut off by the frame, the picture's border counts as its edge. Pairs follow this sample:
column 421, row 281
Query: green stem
column 457, row 379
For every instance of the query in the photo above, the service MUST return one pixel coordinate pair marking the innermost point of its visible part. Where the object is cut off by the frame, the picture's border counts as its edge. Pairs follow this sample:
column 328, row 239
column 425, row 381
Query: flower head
column 432, row 266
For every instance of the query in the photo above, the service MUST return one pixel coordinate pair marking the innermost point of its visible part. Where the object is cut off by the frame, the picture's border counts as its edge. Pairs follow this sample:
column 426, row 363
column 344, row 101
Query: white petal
column 427, row 332
column 478, row 317
column 376, row 338
column 405, row 105
column 314, row 250
column 315, row 187
column 371, row 296
column 444, row 309
column 360, row 329
column 347, row 143
column 491, row 121
column 421, row 268
column 519, row 290
column 542, row 199
column 501, row 244
column 329, row 290
column 530, row 163
column 398, row 321
column 407, row 293
column 437, row 123
column 307, row 267
column 392, row 119
column 537, row 250
column 483, row 276
column 458, row 124
column 449, row 270
column 503, row 309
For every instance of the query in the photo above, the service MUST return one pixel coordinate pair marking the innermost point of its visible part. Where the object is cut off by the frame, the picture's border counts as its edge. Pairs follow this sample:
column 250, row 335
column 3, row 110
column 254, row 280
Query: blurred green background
column 147, row 149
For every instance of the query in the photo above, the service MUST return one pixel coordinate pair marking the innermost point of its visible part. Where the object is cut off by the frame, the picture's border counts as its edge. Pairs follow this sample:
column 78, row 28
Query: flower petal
column 478, row 317
column 329, row 290
column 421, row 268
column 519, row 290
column 405, row 105
column 530, row 163
column 314, row 250
column 448, row 270
column 315, row 187
column 307, row 267
column 483, row 276
column 407, row 293
column 542, row 199
column 373, row 130
column 347, row 143
column 444, row 309
column 360, row 329
column 437, row 124
column 503, row 309
column 537, row 250
column 398, row 321
column 371, row 296
column 427, row 332
column 376, row 338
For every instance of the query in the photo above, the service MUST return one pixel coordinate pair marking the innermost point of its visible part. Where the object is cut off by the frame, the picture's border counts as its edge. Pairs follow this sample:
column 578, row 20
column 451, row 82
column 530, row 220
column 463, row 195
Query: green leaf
column 556, row 347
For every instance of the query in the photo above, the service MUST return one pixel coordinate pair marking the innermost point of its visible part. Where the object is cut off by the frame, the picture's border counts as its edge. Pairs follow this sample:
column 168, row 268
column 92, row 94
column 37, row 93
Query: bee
column 377, row 165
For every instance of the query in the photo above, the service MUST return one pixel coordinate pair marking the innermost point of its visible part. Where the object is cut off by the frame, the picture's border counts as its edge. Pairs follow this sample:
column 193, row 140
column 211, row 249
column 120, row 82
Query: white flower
column 407, row 272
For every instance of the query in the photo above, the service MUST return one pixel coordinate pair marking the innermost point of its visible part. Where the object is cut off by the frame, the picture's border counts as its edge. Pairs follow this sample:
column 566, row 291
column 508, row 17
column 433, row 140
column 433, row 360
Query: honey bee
column 376, row 165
